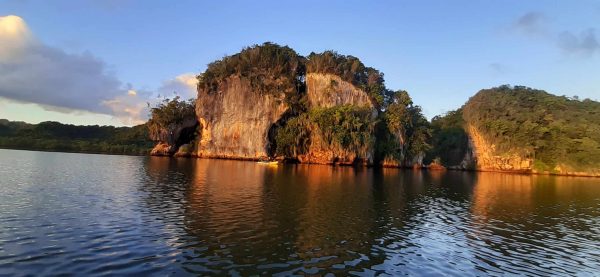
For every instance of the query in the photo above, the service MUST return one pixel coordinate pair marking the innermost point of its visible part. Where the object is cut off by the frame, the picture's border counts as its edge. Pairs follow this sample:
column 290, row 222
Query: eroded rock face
column 163, row 149
column 169, row 139
column 235, row 120
column 324, row 91
column 483, row 155
column 328, row 90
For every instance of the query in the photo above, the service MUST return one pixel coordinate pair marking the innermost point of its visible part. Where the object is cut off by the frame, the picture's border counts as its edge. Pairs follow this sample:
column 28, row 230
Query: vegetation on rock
column 169, row 114
column 293, row 138
column 270, row 68
column 351, row 70
column 349, row 126
column 551, row 130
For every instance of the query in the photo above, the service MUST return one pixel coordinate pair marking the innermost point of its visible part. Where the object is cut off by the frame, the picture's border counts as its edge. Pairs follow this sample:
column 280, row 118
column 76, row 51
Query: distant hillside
column 521, row 129
column 54, row 136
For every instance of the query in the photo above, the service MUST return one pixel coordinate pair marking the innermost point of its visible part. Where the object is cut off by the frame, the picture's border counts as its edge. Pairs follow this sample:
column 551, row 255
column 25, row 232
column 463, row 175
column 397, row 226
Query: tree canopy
column 170, row 113
column 271, row 68
column 54, row 136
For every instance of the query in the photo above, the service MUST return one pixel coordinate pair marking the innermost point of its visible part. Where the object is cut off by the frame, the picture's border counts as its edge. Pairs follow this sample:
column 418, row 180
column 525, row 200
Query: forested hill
column 544, row 132
column 552, row 130
column 54, row 136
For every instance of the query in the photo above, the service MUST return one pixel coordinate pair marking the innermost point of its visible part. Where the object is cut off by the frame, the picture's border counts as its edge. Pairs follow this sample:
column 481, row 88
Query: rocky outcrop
column 171, row 138
column 235, row 119
column 325, row 91
column 328, row 90
column 186, row 150
column 482, row 155
column 163, row 149
column 415, row 162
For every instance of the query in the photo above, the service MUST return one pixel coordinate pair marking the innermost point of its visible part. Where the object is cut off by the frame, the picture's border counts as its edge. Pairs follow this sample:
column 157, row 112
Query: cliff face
column 235, row 120
column 483, row 155
column 169, row 139
column 326, row 91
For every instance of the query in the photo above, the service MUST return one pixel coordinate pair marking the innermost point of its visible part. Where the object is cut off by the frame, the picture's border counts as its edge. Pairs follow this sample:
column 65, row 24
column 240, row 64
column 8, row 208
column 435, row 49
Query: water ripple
column 115, row 215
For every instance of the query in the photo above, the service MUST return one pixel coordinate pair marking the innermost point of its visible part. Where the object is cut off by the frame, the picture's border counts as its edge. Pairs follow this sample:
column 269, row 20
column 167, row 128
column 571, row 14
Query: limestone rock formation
column 328, row 90
column 325, row 91
column 235, row 119
column 482, row 155
column 162, row 149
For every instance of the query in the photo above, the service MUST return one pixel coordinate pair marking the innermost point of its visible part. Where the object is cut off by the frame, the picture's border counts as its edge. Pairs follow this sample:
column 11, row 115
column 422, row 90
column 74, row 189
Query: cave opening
column 187, row 135
column 271, row 146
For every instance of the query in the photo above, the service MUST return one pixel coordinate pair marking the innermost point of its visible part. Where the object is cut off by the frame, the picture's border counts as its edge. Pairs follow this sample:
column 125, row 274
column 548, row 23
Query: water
column 117, row 215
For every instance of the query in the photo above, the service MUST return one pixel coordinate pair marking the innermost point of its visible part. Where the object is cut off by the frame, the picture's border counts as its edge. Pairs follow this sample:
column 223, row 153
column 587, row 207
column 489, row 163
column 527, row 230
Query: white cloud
column 32, row 72
column 183, row 85
column 131, row 109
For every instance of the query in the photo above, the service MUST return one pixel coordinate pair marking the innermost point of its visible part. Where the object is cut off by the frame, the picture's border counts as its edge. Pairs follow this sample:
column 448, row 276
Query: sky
column 102, row 61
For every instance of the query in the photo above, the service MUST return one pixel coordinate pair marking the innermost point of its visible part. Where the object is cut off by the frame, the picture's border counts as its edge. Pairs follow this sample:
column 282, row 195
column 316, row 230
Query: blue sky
column 442, row 52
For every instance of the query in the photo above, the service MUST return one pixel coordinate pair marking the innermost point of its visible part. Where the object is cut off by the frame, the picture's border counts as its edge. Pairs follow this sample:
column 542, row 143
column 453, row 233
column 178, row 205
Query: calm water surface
column 118, row 215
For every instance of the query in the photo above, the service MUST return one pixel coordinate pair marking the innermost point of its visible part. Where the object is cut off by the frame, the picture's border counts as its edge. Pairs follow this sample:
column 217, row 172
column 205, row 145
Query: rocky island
column 268, row 102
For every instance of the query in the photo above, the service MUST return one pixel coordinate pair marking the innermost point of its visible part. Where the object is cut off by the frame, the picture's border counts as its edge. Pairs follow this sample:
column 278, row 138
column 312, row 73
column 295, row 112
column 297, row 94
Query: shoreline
column 423, row 168
column 74, row 152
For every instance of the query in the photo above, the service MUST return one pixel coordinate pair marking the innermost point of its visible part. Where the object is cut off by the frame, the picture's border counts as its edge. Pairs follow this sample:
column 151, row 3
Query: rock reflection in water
column 111, row 215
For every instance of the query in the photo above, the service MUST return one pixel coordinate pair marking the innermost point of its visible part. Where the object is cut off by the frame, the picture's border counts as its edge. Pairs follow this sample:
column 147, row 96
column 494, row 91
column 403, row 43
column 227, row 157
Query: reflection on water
column 95, row 214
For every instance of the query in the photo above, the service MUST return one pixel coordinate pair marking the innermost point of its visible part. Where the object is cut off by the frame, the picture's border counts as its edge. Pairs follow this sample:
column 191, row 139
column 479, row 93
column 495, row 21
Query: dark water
column 117, row 215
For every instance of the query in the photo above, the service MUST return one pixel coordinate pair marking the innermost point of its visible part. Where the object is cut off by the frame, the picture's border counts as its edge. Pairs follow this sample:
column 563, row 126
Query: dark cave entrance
column 271, row 146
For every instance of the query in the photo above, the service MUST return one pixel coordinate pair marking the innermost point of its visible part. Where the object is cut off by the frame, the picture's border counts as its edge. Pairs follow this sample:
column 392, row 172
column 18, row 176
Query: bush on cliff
column 269, row 67
column 349, row 126
column 169, row 113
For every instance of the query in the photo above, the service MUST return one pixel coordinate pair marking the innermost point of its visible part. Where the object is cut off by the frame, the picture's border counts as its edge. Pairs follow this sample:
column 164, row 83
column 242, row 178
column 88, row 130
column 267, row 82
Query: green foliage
column 293, row 138
column 407, row 131
column 349, row 126
column 54, row 136
column 449, row 140
column 269, row 67
column 351, row 70
column 168, row 113
column 550, row 129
